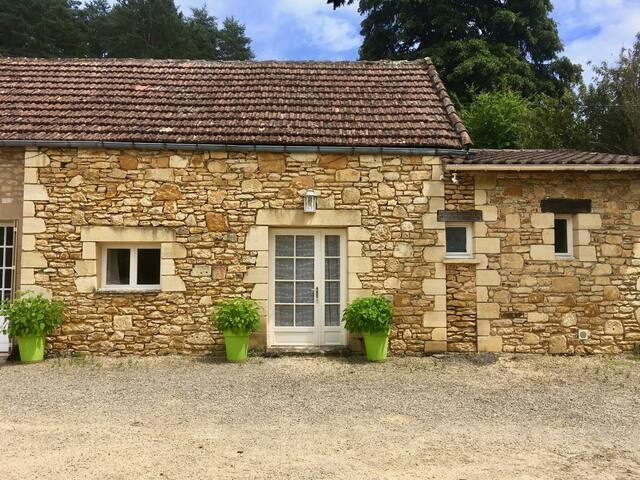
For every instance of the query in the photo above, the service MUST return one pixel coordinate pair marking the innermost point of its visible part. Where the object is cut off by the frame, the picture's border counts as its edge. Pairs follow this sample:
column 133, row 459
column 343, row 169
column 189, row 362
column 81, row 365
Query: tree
column 203, row 35
column 96, row 15
column 233, row 43
column 612, row 104
column 478, row 45
column 145, row 29
column 498, row 119
column 41, row 28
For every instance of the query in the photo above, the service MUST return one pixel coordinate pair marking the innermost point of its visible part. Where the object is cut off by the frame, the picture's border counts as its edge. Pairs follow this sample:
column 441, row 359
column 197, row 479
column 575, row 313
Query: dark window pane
column 561, row 234
column 304, row 315
column 9, row 234
column 332, row 246
column 118, row 263
column 8, row 257
column 148, row 266
column 284, row 315
column 7, row 278
column 284, row 292
column 456, row 240
column 304, row 246
column 284, row 245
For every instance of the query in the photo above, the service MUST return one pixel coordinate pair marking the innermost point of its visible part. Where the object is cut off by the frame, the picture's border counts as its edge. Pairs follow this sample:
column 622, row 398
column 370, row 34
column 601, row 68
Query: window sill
column 565, row 257
column 136, row 291
column 461, row 260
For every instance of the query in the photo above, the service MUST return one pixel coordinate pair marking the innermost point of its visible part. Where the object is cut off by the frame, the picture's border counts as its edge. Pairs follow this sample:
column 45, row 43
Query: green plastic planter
column 31, row 349
column 375, row 345
column 236, row 345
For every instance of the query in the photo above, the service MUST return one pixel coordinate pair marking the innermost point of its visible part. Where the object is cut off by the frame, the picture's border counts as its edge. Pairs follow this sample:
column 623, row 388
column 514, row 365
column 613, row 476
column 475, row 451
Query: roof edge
column 557, row 167
column 328, row 149
column 449, row 108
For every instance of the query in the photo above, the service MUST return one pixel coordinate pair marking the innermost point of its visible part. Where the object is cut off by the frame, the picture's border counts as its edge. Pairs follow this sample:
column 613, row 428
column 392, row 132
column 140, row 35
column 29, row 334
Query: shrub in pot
column 373, row 317
column 236, row 318
column 30, row 318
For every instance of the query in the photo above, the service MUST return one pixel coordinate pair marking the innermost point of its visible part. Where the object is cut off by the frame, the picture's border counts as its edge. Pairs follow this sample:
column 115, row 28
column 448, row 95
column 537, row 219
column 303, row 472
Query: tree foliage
column 129, row 28
column 611, row 104
column 478, row 45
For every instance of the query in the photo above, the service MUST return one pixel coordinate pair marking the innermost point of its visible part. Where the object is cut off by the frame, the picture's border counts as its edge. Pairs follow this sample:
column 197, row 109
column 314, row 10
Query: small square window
column 130, row 267
column 458, row 240
column 563, row 234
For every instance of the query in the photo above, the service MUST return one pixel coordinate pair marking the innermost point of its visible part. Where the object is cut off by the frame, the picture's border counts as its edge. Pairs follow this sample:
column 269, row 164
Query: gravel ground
column 454, row 417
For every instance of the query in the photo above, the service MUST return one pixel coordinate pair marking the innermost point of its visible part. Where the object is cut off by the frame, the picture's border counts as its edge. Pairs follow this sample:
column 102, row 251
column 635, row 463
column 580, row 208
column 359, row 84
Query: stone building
column 142, row 192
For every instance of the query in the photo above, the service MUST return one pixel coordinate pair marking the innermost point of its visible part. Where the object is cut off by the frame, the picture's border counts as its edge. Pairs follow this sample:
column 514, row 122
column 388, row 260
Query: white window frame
column 133, row 267
column 569, row 219
column 469, row 230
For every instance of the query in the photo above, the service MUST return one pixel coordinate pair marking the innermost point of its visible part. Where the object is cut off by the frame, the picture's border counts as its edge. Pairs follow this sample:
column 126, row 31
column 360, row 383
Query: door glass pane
column 304, row 268
column 284, row 316
column 284, row 292
column 304, row 315
column 332, row 315
column 149, row 266
column 304, row 246
column 284, row 268
column 118, row 264
column 332, row 246
column 332, row 268
column 9, row 237
column 284, row 245
column 295, row 298
column 332, row 292
column 304, row 292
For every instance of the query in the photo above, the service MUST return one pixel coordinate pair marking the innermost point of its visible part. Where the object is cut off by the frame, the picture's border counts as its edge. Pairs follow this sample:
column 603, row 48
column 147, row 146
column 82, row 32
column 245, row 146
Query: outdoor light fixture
column 310, row 201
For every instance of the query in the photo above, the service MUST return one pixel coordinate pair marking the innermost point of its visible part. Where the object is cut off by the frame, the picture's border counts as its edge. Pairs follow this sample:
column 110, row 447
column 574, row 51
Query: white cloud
column 596, row 30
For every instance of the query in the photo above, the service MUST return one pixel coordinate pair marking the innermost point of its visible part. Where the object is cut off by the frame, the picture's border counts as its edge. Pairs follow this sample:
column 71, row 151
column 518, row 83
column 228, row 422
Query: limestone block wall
column 530, row 301
column 214, row 210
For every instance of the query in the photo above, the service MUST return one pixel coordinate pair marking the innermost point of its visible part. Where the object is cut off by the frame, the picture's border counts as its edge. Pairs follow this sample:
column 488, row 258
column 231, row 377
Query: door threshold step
column 328, row 350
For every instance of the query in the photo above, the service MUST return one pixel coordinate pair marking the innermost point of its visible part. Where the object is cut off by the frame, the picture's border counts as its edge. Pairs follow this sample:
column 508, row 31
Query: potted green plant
column 30, row 318
column 373, row 317
column 236, row 318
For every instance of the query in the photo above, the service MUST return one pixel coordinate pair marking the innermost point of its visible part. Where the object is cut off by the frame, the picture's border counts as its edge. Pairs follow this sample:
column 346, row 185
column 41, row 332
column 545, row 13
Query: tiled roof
column 542, row 157
column 394, row 104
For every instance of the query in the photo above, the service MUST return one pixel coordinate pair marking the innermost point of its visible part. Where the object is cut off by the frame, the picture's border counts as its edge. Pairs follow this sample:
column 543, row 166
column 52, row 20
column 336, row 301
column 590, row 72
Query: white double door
column 307, row 293
column 7, row 254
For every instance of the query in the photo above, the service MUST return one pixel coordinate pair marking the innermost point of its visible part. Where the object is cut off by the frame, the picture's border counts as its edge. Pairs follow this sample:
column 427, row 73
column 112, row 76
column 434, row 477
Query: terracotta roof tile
column 542, row 157
column 395, row 104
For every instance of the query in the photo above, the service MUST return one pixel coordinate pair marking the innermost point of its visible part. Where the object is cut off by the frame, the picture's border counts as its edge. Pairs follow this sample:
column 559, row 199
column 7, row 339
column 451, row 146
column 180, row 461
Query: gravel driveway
column 452, row 417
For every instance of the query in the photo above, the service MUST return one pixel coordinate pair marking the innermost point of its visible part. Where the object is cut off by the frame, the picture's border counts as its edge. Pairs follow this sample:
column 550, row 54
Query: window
column 458, row 240
column 131, row 267
column 563, row 231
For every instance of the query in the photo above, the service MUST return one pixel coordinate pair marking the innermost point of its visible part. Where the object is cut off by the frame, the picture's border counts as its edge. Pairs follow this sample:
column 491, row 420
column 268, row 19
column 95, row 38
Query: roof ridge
column 449, row 108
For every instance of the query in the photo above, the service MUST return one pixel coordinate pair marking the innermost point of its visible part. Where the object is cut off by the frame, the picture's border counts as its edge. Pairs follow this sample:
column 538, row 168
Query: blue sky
column 310, row 29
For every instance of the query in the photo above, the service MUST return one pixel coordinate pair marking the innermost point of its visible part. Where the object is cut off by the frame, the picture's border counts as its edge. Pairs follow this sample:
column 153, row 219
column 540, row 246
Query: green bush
column 369, row 315
column 30, row 316
column 239, row 315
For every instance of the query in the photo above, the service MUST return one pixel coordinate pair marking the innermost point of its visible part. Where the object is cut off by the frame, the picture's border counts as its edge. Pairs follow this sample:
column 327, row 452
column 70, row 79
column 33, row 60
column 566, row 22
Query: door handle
column 317, row 294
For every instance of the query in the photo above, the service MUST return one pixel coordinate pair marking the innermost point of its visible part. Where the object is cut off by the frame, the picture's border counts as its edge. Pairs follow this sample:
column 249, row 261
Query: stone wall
column 537, row 302
column 211, row 213
column 214, row 209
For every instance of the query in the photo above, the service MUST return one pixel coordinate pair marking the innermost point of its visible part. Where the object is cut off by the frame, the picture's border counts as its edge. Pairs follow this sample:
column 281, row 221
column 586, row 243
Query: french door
column 7, row 255
column 307, row 291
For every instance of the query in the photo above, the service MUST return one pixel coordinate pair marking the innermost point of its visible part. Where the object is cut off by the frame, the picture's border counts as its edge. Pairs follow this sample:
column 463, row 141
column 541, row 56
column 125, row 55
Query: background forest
column 500, row 59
